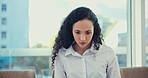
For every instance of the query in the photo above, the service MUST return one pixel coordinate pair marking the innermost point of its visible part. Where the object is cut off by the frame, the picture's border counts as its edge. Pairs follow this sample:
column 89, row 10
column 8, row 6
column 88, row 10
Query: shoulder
column 110, row 54
column 61, row 52
column 60, row 56
column 106, row 48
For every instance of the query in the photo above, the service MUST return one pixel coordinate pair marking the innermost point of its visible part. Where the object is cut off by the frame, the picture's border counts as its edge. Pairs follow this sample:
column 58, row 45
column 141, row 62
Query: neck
column 79, row 49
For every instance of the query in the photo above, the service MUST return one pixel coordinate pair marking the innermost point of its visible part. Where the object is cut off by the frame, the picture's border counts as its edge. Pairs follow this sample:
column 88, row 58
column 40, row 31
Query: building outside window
column 4, row 7
column 3, row 46
column 3, row 21
column 3, row 35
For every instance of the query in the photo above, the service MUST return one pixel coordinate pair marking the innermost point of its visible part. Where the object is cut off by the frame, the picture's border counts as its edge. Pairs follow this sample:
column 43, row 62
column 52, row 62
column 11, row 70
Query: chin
column 82, row 46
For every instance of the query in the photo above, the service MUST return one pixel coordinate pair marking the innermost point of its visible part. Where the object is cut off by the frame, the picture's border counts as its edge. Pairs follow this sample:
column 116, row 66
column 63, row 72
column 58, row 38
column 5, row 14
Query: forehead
column 83, row 25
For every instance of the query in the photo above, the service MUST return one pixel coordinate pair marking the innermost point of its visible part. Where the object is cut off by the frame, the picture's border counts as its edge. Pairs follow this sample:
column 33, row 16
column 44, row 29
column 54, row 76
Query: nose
column 82, row 37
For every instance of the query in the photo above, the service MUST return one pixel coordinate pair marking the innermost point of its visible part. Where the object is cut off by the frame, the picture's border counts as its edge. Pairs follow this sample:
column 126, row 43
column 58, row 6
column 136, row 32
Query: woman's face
column 83, row 31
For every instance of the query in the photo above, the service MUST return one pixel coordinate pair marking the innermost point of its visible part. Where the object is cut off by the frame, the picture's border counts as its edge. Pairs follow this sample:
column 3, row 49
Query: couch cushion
column 134, row 72
column 17, row 74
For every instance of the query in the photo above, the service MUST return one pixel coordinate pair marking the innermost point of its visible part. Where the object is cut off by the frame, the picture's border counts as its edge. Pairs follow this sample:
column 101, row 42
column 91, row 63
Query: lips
column 82, row 43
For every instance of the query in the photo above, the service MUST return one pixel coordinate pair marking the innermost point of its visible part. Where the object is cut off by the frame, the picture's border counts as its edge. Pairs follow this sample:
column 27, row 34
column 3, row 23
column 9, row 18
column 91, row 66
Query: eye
column 87, row 32
column 77, row 32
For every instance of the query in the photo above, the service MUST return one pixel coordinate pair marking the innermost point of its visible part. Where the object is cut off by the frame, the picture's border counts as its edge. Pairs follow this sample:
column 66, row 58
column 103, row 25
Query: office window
column 3, row 35
column 111, row 17
column 3, row 46
column 4, row 7
column 3, row 21
column 146, row 31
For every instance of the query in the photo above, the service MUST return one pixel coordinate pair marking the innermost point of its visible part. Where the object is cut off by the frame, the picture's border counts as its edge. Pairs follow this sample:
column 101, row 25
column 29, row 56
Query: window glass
column 111, row 15
column 146, row 31
column 45, row 23
column 4, row 63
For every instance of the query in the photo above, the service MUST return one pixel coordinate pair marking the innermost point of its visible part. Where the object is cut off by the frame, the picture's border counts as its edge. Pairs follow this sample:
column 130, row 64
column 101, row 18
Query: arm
column 58, row 69
column 113, row 70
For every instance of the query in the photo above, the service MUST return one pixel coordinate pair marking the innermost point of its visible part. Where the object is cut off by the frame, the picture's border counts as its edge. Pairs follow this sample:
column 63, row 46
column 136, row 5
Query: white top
column 93, row 63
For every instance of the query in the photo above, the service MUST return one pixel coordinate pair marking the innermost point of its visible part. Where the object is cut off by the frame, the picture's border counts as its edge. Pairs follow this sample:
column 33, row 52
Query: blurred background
column 28, row 29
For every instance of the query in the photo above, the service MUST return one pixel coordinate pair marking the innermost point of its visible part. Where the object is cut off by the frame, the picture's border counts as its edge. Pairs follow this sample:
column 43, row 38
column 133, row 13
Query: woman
column 79, row 52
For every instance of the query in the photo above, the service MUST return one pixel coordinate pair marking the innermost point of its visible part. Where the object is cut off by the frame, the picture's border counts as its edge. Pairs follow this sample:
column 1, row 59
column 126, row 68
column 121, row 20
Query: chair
column 17, row 74
column 134, row 72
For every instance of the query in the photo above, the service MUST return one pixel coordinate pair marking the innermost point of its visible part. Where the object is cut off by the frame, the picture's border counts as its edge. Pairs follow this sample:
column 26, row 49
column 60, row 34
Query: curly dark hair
column 65, row 37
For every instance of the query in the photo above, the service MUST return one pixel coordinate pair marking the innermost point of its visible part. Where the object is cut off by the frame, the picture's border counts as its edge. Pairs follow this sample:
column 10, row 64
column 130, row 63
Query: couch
column 17, row 74
column 134, row 72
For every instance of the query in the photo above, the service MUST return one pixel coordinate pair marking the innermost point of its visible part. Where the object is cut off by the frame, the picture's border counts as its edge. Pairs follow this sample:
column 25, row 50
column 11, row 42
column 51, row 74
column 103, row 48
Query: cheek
column 75, row 36
column 90, row 36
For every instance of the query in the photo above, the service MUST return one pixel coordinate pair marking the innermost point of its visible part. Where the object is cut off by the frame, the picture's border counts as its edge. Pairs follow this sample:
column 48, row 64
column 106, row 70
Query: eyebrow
column 85, row 31
column 88, row 31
